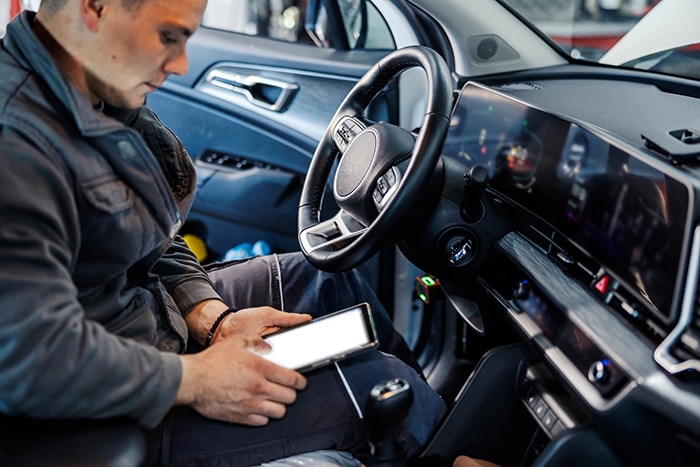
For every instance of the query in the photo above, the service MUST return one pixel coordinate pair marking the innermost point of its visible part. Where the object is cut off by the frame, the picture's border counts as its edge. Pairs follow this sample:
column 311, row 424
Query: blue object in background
column 247, row 250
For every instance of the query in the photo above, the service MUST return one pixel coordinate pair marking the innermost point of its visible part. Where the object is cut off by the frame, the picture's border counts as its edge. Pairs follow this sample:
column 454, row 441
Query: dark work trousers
column 328, row 414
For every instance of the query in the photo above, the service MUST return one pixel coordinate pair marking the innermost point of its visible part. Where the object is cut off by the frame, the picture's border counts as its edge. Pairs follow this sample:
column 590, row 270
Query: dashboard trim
column 662, row 354
column 604, row 329
column 556, row 358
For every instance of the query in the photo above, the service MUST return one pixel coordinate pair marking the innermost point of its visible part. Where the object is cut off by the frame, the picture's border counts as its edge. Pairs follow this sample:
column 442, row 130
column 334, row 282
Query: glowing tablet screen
column 323, row 340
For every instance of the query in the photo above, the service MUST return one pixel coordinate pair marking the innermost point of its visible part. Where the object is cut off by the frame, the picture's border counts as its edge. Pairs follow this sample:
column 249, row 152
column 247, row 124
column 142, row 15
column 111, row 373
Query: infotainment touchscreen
column 626, row 214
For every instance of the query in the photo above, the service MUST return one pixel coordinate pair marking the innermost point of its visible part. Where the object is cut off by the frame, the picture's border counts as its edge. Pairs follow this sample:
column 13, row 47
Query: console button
column 533, row 399
column 598, row 372
column 549, row 419
column 382, row 185
column 521, row 290
column 340, row 141
column 460, row 250
column 540, row 409
column 378, row 197
column 601, row 285
column 390, row 177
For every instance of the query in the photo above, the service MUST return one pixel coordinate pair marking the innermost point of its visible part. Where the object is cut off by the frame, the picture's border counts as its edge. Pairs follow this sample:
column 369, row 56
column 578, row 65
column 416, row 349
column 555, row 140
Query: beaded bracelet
column 210, row 336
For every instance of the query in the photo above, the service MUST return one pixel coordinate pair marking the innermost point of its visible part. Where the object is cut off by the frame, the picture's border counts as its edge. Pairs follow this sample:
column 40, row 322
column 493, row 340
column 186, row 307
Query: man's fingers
column 248, row 341
column 283, row 394
column 284, row 377
column 257, row 409
column 250, row 389
column 284, row 319
column 253, row 420
column 259, row 413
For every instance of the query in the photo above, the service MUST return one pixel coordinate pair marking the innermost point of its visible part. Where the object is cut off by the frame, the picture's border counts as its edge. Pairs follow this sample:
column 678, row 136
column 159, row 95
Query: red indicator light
column 602, row 285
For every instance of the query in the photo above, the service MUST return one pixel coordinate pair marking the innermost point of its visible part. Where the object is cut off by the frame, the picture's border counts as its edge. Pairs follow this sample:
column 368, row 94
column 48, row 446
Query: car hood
column 670, row 25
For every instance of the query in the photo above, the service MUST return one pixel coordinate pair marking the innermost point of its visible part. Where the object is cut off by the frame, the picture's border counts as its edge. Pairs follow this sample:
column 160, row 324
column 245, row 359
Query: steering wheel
column 382, row 167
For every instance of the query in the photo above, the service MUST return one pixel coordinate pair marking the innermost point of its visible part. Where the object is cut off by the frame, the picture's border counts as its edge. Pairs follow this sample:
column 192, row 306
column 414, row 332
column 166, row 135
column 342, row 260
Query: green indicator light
column 524, row 122
column 427, row 280
column 422, row 297
column 490, row 108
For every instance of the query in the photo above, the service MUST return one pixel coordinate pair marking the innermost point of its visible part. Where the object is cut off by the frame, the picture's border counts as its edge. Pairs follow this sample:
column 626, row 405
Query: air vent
column 231, row 161
column 521, row 87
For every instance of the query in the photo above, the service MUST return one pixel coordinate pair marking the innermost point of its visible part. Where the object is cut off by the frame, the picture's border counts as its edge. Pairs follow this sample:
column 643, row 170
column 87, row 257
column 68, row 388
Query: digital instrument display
column 619, row 210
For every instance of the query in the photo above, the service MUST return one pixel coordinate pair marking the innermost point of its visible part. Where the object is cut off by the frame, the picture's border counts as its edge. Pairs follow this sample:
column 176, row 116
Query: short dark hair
column 52, row 6
column 132, row 5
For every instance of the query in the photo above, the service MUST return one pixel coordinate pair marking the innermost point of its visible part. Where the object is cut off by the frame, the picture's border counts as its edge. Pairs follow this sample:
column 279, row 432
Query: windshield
column 654, row 35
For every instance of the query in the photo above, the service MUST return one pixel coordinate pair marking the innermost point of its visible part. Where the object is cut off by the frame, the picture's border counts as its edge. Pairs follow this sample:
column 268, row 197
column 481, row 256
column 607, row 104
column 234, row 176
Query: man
column 102, row 303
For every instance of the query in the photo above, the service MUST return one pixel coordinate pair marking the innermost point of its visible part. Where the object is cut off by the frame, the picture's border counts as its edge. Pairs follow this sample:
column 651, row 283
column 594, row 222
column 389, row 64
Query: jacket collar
column 122, row 146
column 21, row 42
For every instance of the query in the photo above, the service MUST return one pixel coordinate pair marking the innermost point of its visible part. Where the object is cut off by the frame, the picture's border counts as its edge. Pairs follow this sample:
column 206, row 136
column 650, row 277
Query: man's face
column 135, row 51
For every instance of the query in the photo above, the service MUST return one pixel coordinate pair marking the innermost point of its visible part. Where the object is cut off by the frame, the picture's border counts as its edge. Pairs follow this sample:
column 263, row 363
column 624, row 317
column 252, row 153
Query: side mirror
column 339, row 24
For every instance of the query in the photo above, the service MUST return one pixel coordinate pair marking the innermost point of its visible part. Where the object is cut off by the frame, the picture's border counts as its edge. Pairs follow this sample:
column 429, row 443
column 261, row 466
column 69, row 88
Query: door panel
column 251, row 159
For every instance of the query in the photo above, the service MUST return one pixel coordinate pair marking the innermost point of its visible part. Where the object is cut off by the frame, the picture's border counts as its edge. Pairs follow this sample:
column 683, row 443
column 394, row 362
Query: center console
column 599, row 275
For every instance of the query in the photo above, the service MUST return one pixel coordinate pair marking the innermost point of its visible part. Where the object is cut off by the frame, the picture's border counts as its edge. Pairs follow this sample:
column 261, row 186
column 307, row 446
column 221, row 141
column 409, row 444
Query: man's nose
column 177, row 64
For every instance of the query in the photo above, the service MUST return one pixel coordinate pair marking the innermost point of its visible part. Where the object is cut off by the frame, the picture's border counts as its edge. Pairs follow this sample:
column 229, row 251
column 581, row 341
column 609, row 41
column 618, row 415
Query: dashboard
column 629, row 214
column 599, row 271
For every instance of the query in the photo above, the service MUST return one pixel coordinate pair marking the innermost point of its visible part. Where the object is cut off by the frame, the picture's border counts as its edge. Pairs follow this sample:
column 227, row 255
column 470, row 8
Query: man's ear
column 92, row 12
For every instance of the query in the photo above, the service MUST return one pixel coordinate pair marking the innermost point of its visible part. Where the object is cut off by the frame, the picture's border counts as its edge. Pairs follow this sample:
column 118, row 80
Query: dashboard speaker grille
column 490, row 48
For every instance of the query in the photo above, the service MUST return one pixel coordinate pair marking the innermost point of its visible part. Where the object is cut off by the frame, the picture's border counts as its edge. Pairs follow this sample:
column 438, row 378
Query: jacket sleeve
column 179, row 270
column 184, row 278
column 54, row 362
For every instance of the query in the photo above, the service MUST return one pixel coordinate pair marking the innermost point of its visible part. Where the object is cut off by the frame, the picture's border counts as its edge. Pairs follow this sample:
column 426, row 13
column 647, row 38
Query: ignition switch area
column 457, row 246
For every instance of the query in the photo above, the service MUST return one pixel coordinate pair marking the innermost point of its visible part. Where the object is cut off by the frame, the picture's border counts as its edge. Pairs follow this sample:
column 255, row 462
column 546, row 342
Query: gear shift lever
column 474, row 184
column 387, row 404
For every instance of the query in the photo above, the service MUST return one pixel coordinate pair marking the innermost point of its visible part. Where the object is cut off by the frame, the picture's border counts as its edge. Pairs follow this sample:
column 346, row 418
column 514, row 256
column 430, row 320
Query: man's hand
column 466, row 461
column 259, row 321
column 229, row 382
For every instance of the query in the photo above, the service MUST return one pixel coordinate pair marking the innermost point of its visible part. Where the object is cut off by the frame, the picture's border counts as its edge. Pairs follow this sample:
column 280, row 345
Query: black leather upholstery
column 28, row 442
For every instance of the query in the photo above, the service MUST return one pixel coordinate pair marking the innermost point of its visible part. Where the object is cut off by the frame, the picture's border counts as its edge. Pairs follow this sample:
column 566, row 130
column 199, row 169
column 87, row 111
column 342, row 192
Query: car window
column 625, row 33
column 586, row 29
column 350, row 24
column 276, row 19
column 11, row 8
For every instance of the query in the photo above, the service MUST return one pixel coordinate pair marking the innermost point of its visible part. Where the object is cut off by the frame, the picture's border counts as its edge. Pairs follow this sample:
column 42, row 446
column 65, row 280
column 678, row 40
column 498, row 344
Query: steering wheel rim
column 344, row 242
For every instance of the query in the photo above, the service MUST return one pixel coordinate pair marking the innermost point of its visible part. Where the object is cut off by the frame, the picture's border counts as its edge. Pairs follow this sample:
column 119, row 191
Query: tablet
column 323, row 340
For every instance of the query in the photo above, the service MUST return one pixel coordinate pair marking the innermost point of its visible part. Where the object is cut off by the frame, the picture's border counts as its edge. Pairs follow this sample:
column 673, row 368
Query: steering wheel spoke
column 331, row 235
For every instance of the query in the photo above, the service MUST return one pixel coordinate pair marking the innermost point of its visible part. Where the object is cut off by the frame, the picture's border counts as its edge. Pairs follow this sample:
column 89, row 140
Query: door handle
column 268, row 93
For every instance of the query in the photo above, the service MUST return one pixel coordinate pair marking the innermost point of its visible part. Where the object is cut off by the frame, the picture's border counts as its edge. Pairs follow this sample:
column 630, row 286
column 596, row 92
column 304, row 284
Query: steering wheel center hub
column 355, row 165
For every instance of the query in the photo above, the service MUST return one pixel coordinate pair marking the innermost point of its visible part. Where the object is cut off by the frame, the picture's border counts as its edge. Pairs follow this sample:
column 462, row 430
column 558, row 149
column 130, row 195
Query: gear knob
column 475, row 182
column 387, row 404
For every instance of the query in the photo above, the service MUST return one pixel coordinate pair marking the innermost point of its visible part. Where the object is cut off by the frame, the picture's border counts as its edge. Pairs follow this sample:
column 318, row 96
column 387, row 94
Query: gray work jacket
column 94, row 281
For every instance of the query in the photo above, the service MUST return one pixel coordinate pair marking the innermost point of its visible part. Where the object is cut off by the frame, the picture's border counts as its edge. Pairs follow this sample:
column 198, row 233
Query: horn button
column 368, row 156
column 355, row 164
